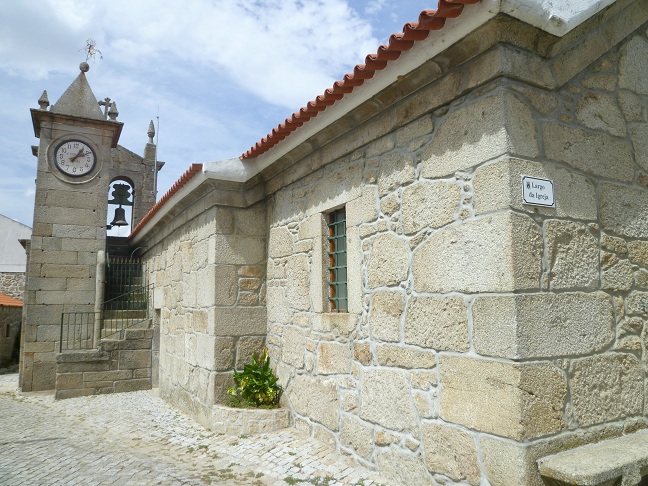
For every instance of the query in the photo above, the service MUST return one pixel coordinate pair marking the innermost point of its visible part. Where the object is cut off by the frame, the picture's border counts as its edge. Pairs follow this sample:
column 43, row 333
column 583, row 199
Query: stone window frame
column 316, row 227
column 336, row 268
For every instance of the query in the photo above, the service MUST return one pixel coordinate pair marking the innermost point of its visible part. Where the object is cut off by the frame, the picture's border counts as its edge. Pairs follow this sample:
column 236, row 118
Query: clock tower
column 78, row 159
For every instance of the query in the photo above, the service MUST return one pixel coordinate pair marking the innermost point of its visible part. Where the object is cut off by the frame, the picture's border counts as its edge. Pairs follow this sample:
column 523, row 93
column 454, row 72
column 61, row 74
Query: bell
column 120, row 217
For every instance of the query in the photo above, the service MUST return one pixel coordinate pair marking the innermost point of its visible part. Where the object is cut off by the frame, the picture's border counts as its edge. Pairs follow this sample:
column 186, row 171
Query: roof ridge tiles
column 412, row 32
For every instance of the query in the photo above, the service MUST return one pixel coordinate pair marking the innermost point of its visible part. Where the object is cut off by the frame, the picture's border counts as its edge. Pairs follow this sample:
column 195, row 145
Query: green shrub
column 256, row 385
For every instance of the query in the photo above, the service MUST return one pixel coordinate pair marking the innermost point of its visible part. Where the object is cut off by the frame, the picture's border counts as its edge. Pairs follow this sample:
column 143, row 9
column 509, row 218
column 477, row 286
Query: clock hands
column 79, row 154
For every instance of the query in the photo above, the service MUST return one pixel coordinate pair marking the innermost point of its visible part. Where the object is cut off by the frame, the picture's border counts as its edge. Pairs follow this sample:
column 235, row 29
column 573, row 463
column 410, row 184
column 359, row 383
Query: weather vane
column 91, row 50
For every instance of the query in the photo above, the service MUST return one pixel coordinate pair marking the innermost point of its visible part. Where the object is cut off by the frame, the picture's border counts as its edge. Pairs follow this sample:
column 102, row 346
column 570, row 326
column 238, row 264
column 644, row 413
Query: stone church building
column 446, row 253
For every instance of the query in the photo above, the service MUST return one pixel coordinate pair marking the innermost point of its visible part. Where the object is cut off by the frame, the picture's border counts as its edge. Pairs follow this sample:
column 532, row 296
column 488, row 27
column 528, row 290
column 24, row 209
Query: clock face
column 74, row 158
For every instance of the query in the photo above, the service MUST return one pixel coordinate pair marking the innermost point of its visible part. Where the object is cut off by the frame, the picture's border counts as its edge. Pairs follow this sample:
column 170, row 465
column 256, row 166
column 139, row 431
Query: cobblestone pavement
column 138, row 439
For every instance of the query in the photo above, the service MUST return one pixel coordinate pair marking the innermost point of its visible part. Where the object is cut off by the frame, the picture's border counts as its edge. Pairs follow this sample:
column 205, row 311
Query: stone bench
column 622, row 461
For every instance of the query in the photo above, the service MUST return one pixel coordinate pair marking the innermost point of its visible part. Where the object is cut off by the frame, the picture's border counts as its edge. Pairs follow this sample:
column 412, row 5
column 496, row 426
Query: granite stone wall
column 10, row 319
column 208, row 269
column 12, row 284
column 118, row 366
column 482, row 333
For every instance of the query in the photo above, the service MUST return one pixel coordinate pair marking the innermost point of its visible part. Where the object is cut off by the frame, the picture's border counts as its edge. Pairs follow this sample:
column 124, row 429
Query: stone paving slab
column 138, row 439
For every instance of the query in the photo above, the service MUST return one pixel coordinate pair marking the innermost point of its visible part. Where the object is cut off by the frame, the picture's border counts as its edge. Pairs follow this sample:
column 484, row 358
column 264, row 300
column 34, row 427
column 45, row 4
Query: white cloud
column 222, row 73
column 283, row 51
column 375, row 6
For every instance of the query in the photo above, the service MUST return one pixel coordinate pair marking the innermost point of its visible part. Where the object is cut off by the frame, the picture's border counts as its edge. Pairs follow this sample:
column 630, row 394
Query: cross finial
column 106, row 104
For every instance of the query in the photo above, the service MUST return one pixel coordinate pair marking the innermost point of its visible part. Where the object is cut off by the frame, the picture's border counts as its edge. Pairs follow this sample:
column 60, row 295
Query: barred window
column 337, row 263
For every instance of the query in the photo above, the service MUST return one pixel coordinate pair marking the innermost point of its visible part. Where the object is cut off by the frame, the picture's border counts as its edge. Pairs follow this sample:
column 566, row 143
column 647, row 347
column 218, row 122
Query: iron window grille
column 337, row 261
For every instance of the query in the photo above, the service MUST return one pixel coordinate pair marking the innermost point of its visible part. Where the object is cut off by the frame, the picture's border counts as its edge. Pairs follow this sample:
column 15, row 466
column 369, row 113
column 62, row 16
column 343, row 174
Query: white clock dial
column 74, row 158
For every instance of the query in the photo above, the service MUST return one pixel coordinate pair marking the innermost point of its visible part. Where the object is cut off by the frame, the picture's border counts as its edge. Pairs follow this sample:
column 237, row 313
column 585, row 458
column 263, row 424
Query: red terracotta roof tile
column 186, row 177
column 6, row 301
column 412, row 32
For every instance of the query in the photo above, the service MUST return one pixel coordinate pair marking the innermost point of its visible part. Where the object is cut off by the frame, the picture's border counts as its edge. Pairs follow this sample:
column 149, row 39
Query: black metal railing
column 123, row 276
column 127, row 304
column 84, row 330
column 77, row 330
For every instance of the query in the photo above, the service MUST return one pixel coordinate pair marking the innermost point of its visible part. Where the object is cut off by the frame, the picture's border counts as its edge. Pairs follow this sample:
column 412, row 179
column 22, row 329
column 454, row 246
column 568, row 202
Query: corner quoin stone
column 519, row 401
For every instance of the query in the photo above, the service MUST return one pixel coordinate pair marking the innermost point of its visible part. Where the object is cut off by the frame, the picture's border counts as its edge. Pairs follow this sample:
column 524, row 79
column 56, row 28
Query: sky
column 215, row 76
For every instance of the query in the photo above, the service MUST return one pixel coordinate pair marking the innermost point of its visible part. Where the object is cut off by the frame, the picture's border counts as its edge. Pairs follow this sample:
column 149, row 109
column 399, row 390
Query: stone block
column 606, row 388
column 499, row 186
column 600, row 111
column 519, row 401
column 630, row 106
column 390, row 204
column 389, row 261
column 573, row 255
column 489, row 127
column 66, row 381
column 293, row 343
column 503, row 253
column 429, row 204
column 298, row 286
column 130, row 360
column 439, row 323
column 362, row 209
column 385, row 399
column 44, row 375
column 333, row 358
column 637, row 303
column 508, row 463
column 280, row 243
column 239, row 250
column 451, row 451
column 624, row 210
column 385, row 317
column 133, row 385
column 423, row 404
column 112, row 375
column 59, row 257
column 638, row 251
column 73, row 231
column 424, row 126
column 619, row 277
column 403, row 468
column 336, row 322
column 362, row 352
column 246, row 347
column 396, row 169
column 315, row 398
column 404, row 357
column 589, row 151
column 36, row 347
column 542, row 325
column 218, row 385
column 135, row 344
column 248, row 284
column 356, row 435
column 65, row 271
column 231, row 321
column 633, row 69
column 639, row 137
column 423, row 380
column 205, row 346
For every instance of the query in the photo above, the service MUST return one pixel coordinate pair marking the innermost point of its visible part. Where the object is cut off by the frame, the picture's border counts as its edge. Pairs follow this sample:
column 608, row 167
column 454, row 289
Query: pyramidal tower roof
column 78, row 99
